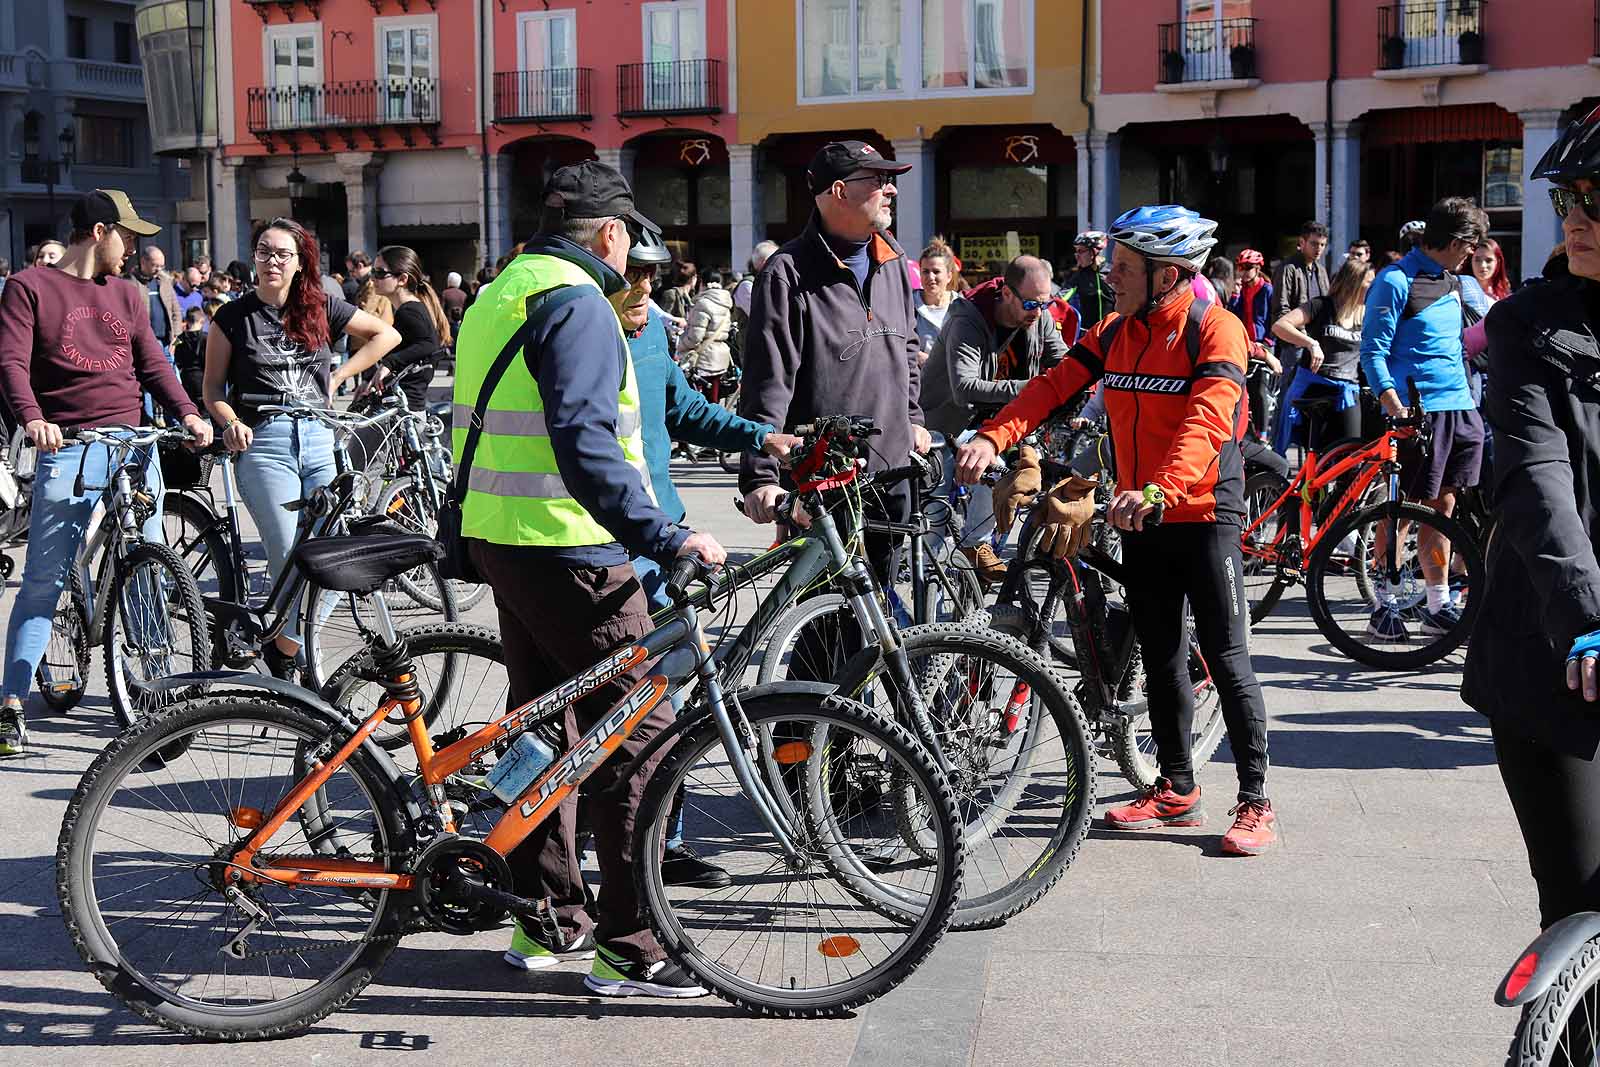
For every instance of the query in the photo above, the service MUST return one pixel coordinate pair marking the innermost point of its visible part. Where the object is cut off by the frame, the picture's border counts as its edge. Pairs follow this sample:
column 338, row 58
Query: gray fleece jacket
column 959, row 384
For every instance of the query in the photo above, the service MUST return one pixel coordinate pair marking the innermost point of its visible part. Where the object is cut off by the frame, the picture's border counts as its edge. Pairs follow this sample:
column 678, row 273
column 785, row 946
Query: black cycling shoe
column 281, row 664
column 680, row 866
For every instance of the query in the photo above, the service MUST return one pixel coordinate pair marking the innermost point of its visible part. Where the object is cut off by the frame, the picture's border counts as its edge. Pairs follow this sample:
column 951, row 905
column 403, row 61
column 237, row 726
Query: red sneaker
column 1158, row 805
column 1252, row 832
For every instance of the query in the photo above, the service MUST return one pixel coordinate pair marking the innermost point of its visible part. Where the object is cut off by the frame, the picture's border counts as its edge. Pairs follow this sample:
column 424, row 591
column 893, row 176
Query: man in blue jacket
column 1412, row 333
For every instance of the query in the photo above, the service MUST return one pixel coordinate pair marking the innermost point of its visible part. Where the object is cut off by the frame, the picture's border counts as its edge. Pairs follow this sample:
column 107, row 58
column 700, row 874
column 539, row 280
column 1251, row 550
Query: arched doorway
column 533, row 160
column 992, row 180
column 680, row 182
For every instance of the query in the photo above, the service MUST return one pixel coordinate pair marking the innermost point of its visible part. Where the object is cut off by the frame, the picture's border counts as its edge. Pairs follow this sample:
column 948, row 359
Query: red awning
column 1434, row 125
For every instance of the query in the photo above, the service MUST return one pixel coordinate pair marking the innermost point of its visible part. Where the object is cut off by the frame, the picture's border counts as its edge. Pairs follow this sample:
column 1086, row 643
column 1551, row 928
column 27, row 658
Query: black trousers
column 1557, row 801
column 1198, row 562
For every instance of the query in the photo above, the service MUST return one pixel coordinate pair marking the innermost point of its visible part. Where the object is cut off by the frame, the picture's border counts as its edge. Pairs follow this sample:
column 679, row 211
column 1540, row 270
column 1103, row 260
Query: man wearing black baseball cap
column 557, row 500
column 833, row 328
column 75, row 350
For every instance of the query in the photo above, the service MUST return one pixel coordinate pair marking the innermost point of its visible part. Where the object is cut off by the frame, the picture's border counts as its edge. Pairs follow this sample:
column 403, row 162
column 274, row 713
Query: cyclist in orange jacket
column 1172, row 370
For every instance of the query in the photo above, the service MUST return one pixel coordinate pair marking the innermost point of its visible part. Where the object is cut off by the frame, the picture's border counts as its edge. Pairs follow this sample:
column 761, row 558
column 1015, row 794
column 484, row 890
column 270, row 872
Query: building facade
column 1360, row 114
column 73, row 118
column 434, row 123
column 986, row 98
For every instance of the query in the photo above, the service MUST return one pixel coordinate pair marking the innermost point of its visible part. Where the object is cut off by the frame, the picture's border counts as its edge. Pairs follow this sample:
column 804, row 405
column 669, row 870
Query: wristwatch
column 1153, row 495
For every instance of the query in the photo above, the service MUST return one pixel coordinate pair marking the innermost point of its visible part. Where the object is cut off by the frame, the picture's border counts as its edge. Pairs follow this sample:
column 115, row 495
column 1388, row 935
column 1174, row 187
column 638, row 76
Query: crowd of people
column 589, row 352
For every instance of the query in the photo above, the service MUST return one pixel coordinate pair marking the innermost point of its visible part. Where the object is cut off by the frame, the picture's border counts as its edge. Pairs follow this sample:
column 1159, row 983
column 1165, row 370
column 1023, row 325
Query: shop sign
column 982, row 250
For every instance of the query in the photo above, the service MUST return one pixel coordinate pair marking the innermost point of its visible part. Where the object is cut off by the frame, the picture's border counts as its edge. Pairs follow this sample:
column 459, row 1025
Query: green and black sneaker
column 528, row 954
column 13, row 732
column 614, row 976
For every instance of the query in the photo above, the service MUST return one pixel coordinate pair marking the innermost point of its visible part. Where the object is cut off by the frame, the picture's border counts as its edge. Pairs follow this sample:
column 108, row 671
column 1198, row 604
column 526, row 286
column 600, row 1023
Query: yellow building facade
column 985, row 98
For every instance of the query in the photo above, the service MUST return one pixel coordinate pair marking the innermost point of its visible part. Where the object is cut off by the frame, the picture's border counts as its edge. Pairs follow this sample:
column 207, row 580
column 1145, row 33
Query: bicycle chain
column 414, row 926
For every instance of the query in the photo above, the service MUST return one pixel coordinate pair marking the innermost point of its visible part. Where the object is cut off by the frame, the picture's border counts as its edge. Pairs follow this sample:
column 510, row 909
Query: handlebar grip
column 1156, row 513
column 257, row 400
column 783, row 509
column 685, row 569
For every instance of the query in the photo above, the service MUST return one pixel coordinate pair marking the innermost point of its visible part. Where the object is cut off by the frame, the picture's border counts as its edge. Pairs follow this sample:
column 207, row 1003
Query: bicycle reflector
column 1520, row 976
column 246, row 818
column 792, row 752
column 399, row 504
column 838, row 947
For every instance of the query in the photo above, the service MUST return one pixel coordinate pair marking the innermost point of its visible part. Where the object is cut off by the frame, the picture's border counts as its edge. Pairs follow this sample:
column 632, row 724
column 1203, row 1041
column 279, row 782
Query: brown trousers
column 557, row 621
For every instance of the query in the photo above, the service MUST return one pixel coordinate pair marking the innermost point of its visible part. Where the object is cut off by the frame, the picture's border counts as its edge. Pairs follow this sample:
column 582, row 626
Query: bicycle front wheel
column 1263, row 540
column 1371, row 602
column 144, row 857
column 789, row 935
column 157, row 628
column 63, row 673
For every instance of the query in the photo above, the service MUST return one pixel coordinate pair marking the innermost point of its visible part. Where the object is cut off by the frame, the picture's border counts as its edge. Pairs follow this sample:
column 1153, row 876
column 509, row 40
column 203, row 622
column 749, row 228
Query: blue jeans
column 56, row 526
column 287, row 459
column 654, row 581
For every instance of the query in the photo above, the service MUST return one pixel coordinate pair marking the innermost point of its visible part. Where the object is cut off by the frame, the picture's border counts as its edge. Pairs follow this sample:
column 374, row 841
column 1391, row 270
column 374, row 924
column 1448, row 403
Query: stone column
column 359, row 171
column 620, row 158
column 1541, row 230
column 1105, row 193
column 499, row 229
column 746, row 212
column 1080, row 141
column 1342, row 213
column 913, row 214
column 228, row 243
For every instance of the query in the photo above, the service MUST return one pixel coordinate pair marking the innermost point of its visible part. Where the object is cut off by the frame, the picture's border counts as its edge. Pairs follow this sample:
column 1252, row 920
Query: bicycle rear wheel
column 143, row 859
column 1562, row 1027
column 63, row 673
column 1263, row 541
column 789, row 936
column 1370, row 604
column 403, row 503
column 157, row 628
column 197, row 538
column 1134, row 746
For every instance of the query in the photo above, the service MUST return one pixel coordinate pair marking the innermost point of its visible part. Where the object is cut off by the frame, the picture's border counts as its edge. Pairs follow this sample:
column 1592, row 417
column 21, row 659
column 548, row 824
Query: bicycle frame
column 106, row 541
column 1380, row 457
column 542, row 796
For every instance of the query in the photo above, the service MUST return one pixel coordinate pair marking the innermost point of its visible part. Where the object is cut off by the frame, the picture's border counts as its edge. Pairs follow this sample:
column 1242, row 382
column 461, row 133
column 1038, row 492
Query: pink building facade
column 1360, row 113
column 434, row 123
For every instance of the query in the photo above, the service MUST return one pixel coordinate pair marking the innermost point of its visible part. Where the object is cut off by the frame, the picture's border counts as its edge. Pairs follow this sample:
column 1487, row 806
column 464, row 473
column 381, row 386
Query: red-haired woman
column 276, row 339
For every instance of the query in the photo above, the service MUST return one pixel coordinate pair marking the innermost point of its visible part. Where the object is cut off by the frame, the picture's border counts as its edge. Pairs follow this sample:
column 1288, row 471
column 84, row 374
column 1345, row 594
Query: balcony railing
column 1206, row 51
column 92, row 78
column 679, row 87
column 345, row 105
column 1430, row 33
column 554, row 95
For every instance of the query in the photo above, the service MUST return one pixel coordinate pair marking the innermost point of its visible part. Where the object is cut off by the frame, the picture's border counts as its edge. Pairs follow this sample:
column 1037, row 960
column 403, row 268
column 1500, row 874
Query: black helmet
column 1576, row 153
column 647, row 249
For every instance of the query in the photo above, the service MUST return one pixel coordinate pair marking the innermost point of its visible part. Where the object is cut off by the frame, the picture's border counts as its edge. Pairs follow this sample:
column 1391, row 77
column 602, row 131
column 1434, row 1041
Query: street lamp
column 1218, row 151
column 297, row 183
column 53, row 167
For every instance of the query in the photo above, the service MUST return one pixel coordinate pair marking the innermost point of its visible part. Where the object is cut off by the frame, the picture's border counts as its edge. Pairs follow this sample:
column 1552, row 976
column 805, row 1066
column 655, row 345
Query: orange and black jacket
column 1174, row 423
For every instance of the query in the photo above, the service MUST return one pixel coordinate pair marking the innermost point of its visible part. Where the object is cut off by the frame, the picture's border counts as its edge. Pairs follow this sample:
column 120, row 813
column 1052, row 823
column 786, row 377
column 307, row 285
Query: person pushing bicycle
column 1172, row 369
column 76, row 349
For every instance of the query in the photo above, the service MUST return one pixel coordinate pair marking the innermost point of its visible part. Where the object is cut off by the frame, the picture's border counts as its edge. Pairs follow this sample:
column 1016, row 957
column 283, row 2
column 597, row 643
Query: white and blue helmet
column 1166, row 233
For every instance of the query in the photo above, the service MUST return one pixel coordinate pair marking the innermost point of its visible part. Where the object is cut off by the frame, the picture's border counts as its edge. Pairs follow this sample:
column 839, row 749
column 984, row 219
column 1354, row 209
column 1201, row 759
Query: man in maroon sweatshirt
column 75, row 350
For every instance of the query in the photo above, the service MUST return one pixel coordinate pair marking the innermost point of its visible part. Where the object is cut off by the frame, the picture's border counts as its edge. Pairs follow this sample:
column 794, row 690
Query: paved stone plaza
column 1373, row 935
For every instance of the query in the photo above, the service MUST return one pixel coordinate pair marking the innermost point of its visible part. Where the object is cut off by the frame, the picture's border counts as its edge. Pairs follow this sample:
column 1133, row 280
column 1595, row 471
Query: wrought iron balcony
column 1430, row 33
column 405, row 103
column 559, row 94
column 1206, row 51
column 679, row 87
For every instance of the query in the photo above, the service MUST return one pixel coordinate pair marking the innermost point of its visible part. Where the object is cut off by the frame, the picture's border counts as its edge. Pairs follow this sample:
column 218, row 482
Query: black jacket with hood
column 1543, row 587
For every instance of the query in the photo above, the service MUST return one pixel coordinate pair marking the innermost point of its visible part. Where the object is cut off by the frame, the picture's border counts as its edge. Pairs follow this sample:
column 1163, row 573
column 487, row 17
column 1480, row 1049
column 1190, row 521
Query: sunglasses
column 1563, row 200
column 1027, row 305
column 635, row 275
column 380, row 273
column 882, row 177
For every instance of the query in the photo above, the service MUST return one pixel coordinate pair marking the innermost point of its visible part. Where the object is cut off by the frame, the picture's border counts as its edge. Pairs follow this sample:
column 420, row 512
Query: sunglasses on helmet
column 1563, row 200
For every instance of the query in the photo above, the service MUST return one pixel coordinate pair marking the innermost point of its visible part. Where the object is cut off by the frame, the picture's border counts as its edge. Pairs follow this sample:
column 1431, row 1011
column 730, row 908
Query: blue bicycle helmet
column 1166, row 233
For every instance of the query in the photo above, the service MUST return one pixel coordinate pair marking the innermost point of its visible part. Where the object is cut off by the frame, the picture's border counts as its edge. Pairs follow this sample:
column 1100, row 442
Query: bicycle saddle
column 361, row 563
column 1317, row 405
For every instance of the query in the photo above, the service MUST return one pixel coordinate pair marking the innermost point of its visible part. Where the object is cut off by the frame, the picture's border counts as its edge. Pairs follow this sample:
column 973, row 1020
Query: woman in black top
column 418, row 316
column 1531, row 663
column 1328, row 329
column 275, row 340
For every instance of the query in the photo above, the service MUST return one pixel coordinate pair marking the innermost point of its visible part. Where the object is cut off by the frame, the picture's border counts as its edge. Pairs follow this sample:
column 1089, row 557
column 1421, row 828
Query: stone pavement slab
column 1374, row 935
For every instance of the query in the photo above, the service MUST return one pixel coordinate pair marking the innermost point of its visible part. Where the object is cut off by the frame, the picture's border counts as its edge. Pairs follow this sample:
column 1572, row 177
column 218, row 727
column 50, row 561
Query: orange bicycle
column 255, row 883
column 1341, row 527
